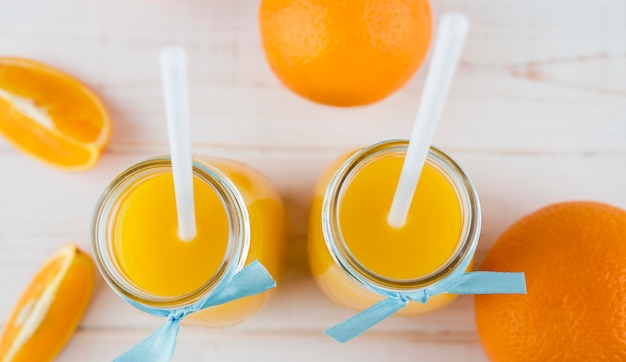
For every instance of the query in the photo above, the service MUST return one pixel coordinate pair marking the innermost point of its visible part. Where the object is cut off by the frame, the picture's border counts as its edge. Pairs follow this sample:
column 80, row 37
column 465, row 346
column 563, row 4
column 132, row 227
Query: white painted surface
column 536, row 114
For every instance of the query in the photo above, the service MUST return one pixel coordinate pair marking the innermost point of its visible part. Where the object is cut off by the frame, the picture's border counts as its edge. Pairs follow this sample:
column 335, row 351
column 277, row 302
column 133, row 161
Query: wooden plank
column 205, row 345
column 504, row 33
column 488, row 111
column 512, row 33
column 561, row 77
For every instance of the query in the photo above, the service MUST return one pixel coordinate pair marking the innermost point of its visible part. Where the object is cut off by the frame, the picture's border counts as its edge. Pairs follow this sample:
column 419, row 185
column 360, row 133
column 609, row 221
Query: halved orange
column 50, row 115
column 50, row 308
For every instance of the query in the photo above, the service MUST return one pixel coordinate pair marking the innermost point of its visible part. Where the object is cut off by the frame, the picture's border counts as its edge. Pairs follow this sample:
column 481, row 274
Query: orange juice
column 156, row 260
column 425, row 242
column 352, row 249
column 239, row 218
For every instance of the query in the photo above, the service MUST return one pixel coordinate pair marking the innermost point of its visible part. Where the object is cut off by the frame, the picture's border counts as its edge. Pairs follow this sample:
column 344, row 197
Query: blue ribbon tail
column 158, row 347
column 484, row 282
column 251, row 280
column 350, row 328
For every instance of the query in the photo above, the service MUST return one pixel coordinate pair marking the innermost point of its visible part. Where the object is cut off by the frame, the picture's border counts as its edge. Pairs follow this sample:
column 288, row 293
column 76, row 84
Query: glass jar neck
column 337, row 246
column 108, row 206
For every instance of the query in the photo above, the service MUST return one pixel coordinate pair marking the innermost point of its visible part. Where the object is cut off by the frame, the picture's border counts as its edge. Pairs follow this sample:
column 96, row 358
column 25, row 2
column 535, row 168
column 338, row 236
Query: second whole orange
column 574, row 257
column 345, row 53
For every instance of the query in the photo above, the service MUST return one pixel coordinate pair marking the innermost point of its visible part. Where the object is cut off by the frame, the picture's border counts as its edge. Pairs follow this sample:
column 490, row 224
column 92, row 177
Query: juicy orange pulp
column 50, row 115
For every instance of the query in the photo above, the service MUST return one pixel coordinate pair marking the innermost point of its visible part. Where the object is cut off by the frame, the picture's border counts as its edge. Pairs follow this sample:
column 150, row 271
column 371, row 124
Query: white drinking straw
column 173, row 61
column 453, row 29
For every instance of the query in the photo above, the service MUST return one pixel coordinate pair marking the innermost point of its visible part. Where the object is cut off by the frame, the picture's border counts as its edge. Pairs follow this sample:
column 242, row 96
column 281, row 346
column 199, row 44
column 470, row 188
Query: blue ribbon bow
column 160, row 345
column 458, row 282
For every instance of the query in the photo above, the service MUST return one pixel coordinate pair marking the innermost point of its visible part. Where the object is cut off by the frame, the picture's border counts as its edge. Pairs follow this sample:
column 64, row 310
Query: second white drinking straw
column 173, row 60
column 452, row 32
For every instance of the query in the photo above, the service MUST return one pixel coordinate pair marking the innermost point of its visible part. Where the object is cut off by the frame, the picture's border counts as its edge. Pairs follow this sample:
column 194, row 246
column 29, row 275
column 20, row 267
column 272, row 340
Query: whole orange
column 574, row 258
column 345, row 53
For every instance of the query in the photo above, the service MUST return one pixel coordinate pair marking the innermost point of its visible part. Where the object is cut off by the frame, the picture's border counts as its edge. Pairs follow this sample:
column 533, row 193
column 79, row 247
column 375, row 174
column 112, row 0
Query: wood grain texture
column 536, row 114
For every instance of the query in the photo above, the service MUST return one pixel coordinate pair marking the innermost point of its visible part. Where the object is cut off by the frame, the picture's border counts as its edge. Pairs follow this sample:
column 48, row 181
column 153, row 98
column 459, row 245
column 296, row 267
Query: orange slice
column 50, row 115
column 50, row 308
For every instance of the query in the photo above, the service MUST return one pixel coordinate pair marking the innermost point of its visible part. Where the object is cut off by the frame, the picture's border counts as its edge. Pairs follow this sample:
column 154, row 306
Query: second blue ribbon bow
column 458, row 282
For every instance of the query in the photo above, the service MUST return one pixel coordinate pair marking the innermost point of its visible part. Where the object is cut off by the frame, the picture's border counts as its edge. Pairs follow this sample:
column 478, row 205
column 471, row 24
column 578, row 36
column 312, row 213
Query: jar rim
column 106, row 210
column 343, row 257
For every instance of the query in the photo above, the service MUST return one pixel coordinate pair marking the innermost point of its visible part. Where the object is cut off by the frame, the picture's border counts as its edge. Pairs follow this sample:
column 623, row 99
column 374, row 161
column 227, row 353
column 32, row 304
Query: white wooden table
column 536, row 114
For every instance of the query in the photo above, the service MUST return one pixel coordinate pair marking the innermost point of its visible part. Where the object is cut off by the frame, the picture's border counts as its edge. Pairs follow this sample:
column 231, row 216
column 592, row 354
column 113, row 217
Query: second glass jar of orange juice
column 358, row 260
column 239, row 219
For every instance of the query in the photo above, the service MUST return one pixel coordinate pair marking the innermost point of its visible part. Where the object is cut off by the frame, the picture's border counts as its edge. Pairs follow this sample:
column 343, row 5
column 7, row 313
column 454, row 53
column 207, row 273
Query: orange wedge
column 50, row 308
column 50, row 115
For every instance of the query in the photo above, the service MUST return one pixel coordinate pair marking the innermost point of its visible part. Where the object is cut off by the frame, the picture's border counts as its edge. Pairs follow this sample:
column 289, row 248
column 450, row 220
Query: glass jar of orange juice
column 239, row 219
column 363, row 263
